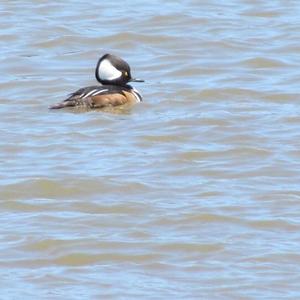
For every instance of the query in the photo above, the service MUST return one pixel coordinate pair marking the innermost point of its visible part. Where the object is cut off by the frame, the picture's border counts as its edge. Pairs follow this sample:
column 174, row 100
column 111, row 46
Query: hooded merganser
column 114, row 74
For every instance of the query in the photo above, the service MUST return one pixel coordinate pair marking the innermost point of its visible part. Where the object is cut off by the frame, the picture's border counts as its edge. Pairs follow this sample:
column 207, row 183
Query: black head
column 113, row 70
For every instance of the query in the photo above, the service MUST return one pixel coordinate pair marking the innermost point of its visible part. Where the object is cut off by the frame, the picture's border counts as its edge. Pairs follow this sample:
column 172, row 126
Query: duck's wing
column 95, row 97
column 79, row 98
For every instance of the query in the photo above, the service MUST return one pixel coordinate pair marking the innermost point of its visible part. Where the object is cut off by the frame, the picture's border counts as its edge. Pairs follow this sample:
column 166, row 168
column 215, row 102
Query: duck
column 113, row 73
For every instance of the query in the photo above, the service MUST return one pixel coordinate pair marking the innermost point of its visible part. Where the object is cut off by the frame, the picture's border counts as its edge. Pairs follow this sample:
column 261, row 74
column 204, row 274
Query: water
column 192, row 194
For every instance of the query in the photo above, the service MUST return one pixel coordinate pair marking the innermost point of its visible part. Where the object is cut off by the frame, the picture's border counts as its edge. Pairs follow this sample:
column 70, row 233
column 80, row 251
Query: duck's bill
column 137, row 80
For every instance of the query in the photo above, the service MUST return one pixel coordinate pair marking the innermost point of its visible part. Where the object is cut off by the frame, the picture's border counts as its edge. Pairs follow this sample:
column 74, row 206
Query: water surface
column 192, row 194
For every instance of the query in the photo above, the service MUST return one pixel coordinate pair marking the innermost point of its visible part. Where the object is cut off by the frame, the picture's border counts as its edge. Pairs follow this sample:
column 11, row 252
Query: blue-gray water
column 192, row 194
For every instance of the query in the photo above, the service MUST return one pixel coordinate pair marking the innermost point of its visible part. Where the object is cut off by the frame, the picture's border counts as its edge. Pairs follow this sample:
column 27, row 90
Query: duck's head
column 113, row 70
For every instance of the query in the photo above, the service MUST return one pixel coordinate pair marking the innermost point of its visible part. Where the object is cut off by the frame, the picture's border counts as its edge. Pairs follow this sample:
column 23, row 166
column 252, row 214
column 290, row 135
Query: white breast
column 137, row 95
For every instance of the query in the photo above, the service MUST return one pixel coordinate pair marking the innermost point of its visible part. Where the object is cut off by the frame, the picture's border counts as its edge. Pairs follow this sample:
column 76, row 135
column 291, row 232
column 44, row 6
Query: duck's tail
column 63, row 104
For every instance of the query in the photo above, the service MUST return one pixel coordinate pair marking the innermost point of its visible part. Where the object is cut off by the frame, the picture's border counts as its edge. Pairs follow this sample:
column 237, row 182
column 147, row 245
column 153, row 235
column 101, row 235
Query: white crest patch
column 107, row 71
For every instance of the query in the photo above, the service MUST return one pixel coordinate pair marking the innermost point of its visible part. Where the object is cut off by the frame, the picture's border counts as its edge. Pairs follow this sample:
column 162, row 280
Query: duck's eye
column 126, row 74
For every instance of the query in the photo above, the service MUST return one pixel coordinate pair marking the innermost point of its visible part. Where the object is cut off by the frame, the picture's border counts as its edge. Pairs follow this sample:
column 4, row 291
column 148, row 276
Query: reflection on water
column 192, row 194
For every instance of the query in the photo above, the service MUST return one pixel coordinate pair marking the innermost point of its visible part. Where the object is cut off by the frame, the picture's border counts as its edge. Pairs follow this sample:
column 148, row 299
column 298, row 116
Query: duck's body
column 101, row 96
column 113, row 74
